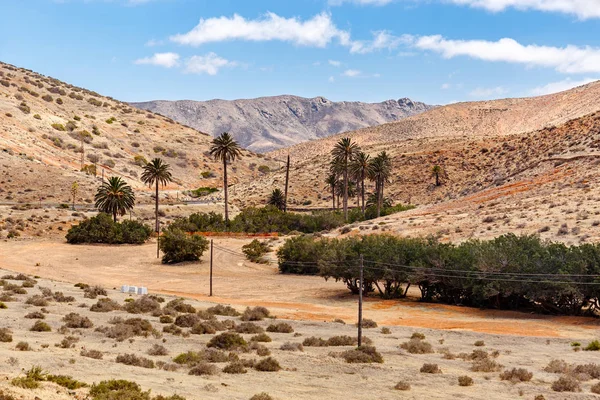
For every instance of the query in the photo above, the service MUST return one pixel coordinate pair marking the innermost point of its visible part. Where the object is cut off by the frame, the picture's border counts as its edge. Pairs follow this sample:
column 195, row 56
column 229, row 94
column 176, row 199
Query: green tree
column 361, row 168
column 225, row 149
column 342, row 153
column 177, row 246
column 381, row 169
column 155, row 172
column 115, row 197
column 438, row 173
column 277, row 199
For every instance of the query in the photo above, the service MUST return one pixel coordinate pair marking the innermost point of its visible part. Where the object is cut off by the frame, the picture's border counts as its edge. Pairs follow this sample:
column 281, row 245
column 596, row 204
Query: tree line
column 508, row 272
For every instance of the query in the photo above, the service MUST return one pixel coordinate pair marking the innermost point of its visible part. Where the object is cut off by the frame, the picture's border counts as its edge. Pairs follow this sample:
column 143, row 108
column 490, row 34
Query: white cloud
column 207, row 64
column 351, row 73
column 317, row 31
column 360, row 2
column 446, row 86
column 570, row 59
column 153, row 42
column 167, row 60
column 382, row 40
column 555, row 87
column 483, row 93
column 583, row 9
column 331, row 79
column 335, row 63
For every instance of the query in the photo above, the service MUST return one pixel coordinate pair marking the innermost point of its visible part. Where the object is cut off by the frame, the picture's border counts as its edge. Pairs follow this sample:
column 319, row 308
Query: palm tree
column 438, row 173
column 155, row 172
column 381, row 171
column 225, row 149
column 114, row 197
column 361, row 168
column 277, row 199
column 331, row 182
column 342, row 153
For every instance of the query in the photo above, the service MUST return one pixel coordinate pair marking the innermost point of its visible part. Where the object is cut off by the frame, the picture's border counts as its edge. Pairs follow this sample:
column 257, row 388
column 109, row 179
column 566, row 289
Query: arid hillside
column 269, row 123
column 51, row 129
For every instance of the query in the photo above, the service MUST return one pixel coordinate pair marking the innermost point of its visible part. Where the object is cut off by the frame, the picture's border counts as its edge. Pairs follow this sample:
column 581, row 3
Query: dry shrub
column 144, row 304
column 418, row 335
column 557, row 367
column 202, row 328
column 180, row 306
column 67, row 342
column 261, row 396
column 235, row 368
column 166, row 319
column 479, row 343
column 37, row 300
column 204, row 369
column 132, row 359
column 261, row 337
column 430, row 369
column 40, row 326
column 465, row 380
column 261, row 350
column 343, row 340
column 187, row 320
column 218, row 356
column 189, row 358
column 287, row 346
column 167, row 366
column 362, row 354
column 129, row 328
column 35, row 315
column 74, row 320
column 596, row 388
column 593, row 370
column 249, row 327
column 368, row 323
column 385, row 330
column 227, row 311
column 539, row 397
column 172, row 329
column 281, row 327
column 339, row 321
column 268, row 364
column 516, row 375
column 314, row 341
column 23, row 346
column 6, row 396
column 105, row 305
column 228, row 341
column 158, row 350
column 566, row 384
column 402, row 385
column 485, row 365
column 95, row 354
column 59, row 297
column 91, row 292
column 255, row 314
column 417, row 346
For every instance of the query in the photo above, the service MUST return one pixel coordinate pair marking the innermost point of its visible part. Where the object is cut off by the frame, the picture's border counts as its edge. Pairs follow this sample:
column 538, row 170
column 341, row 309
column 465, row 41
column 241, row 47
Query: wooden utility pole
column 360, row 302
column 211, row 265
column 287, row 181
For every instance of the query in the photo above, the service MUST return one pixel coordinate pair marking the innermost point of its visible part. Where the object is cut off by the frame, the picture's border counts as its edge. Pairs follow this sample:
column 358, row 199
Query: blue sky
column 436, row 51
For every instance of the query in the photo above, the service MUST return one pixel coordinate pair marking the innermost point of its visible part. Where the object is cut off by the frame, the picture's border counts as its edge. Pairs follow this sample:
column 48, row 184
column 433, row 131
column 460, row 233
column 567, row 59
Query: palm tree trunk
column 225, row 188
column 380, row 200
column 437, row 179
column 156, row 206
column 115, row 217
column 333, row 197
column 346, row 188
column 377, row 193
column 363, row 192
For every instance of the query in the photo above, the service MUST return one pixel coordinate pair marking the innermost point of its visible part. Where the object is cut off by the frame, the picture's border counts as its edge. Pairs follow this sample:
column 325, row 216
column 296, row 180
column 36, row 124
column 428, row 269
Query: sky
column 435, row 51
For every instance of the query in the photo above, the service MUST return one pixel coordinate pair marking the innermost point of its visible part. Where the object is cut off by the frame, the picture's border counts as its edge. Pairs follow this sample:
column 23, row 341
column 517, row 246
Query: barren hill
column 46, row 124
column 269, row 123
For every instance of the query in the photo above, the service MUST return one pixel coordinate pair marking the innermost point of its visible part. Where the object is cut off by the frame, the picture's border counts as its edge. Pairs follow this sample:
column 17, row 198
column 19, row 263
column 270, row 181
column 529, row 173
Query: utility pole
column 360, row 302
column 287, row 180
column 211, row 265
column 157, row 240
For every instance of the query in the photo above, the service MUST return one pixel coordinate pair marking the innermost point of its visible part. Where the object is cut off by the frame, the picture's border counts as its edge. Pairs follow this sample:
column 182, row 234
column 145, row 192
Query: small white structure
column 125, row 289
column 142, row 290
column 133, row 289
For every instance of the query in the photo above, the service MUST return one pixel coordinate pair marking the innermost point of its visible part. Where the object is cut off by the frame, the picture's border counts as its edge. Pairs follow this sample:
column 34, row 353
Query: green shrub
column 37, row 116
column 235, row 367
column 256, row 250
column 40, row 326
column 203, row 191
column 140, row 161
column 228, row 341
column 59, row 127
column 3, row 306
column 261, row 337
column 249, row 327
column 178, row 247
column 102, row 229
column 593, row 346
column 118, row 389
column 47, row 98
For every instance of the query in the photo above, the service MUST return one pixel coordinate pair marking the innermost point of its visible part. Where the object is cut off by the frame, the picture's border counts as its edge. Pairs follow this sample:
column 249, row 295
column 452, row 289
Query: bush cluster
column 177, row 246
column 474, row 273
column 102, row 229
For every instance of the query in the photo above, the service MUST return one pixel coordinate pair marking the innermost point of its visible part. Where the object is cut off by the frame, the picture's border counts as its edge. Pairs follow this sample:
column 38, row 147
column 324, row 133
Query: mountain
column 269, row 123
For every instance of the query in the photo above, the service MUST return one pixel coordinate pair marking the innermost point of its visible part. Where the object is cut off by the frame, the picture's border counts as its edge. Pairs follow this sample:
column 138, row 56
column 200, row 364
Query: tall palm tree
column 343, row 152
column 381, row 171
column 225, row 149
column 114, row 197
column 277, row 199
column 155, row 172
column 331, row 182
column 361, row 169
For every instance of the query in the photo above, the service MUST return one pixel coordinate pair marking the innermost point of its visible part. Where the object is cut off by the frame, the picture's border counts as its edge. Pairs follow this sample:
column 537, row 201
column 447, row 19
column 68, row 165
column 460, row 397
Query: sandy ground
column 310, row 374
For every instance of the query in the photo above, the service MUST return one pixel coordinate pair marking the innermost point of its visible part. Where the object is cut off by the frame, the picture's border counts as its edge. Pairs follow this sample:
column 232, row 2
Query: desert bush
column 173, row 330
column 74, row 320
column 180, row 306
column 65, row 381
column 47, row 98
column 130, row 328
column 37, row 300
column 92, row 292
column 256, row 250
column 189, row 358
column 385, row 330
column 67, row 342
column 102, row 229
column 105, row 305
column 417, row 346
column 465, row 380
column 479, row 343
column 566, row 384
column 402, row 385
column 249, row 327
column 593, row 346
column 281, row 327
column 158, row 350
column 558, row 367
column 430, row 369
column 596, row 388
column 40, row 326
column 260, row 349
column 362, row 354
column 235, row 367
column 485, row 365
column 187, row 320
column 368, row 323
column 35, row 315
column 516, row 375
column 288, row 346
column 166, row 319
column 5, row 335
column 178, row 247
column 132, row 359
column 228, row 341
column 592, row 370
column 261, row 337
column 59, row 297
column 314, row 341
column 268, row 364
column 95, row 354
column 204, row 369
column 203, row 328
column 220, row 309
column 4, row 307
column 255, row 314
column 343, row 340
column 261, row 396
column 23, row 346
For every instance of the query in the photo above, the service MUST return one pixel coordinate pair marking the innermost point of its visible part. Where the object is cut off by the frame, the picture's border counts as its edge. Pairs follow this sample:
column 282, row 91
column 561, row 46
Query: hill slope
column 268, row 123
